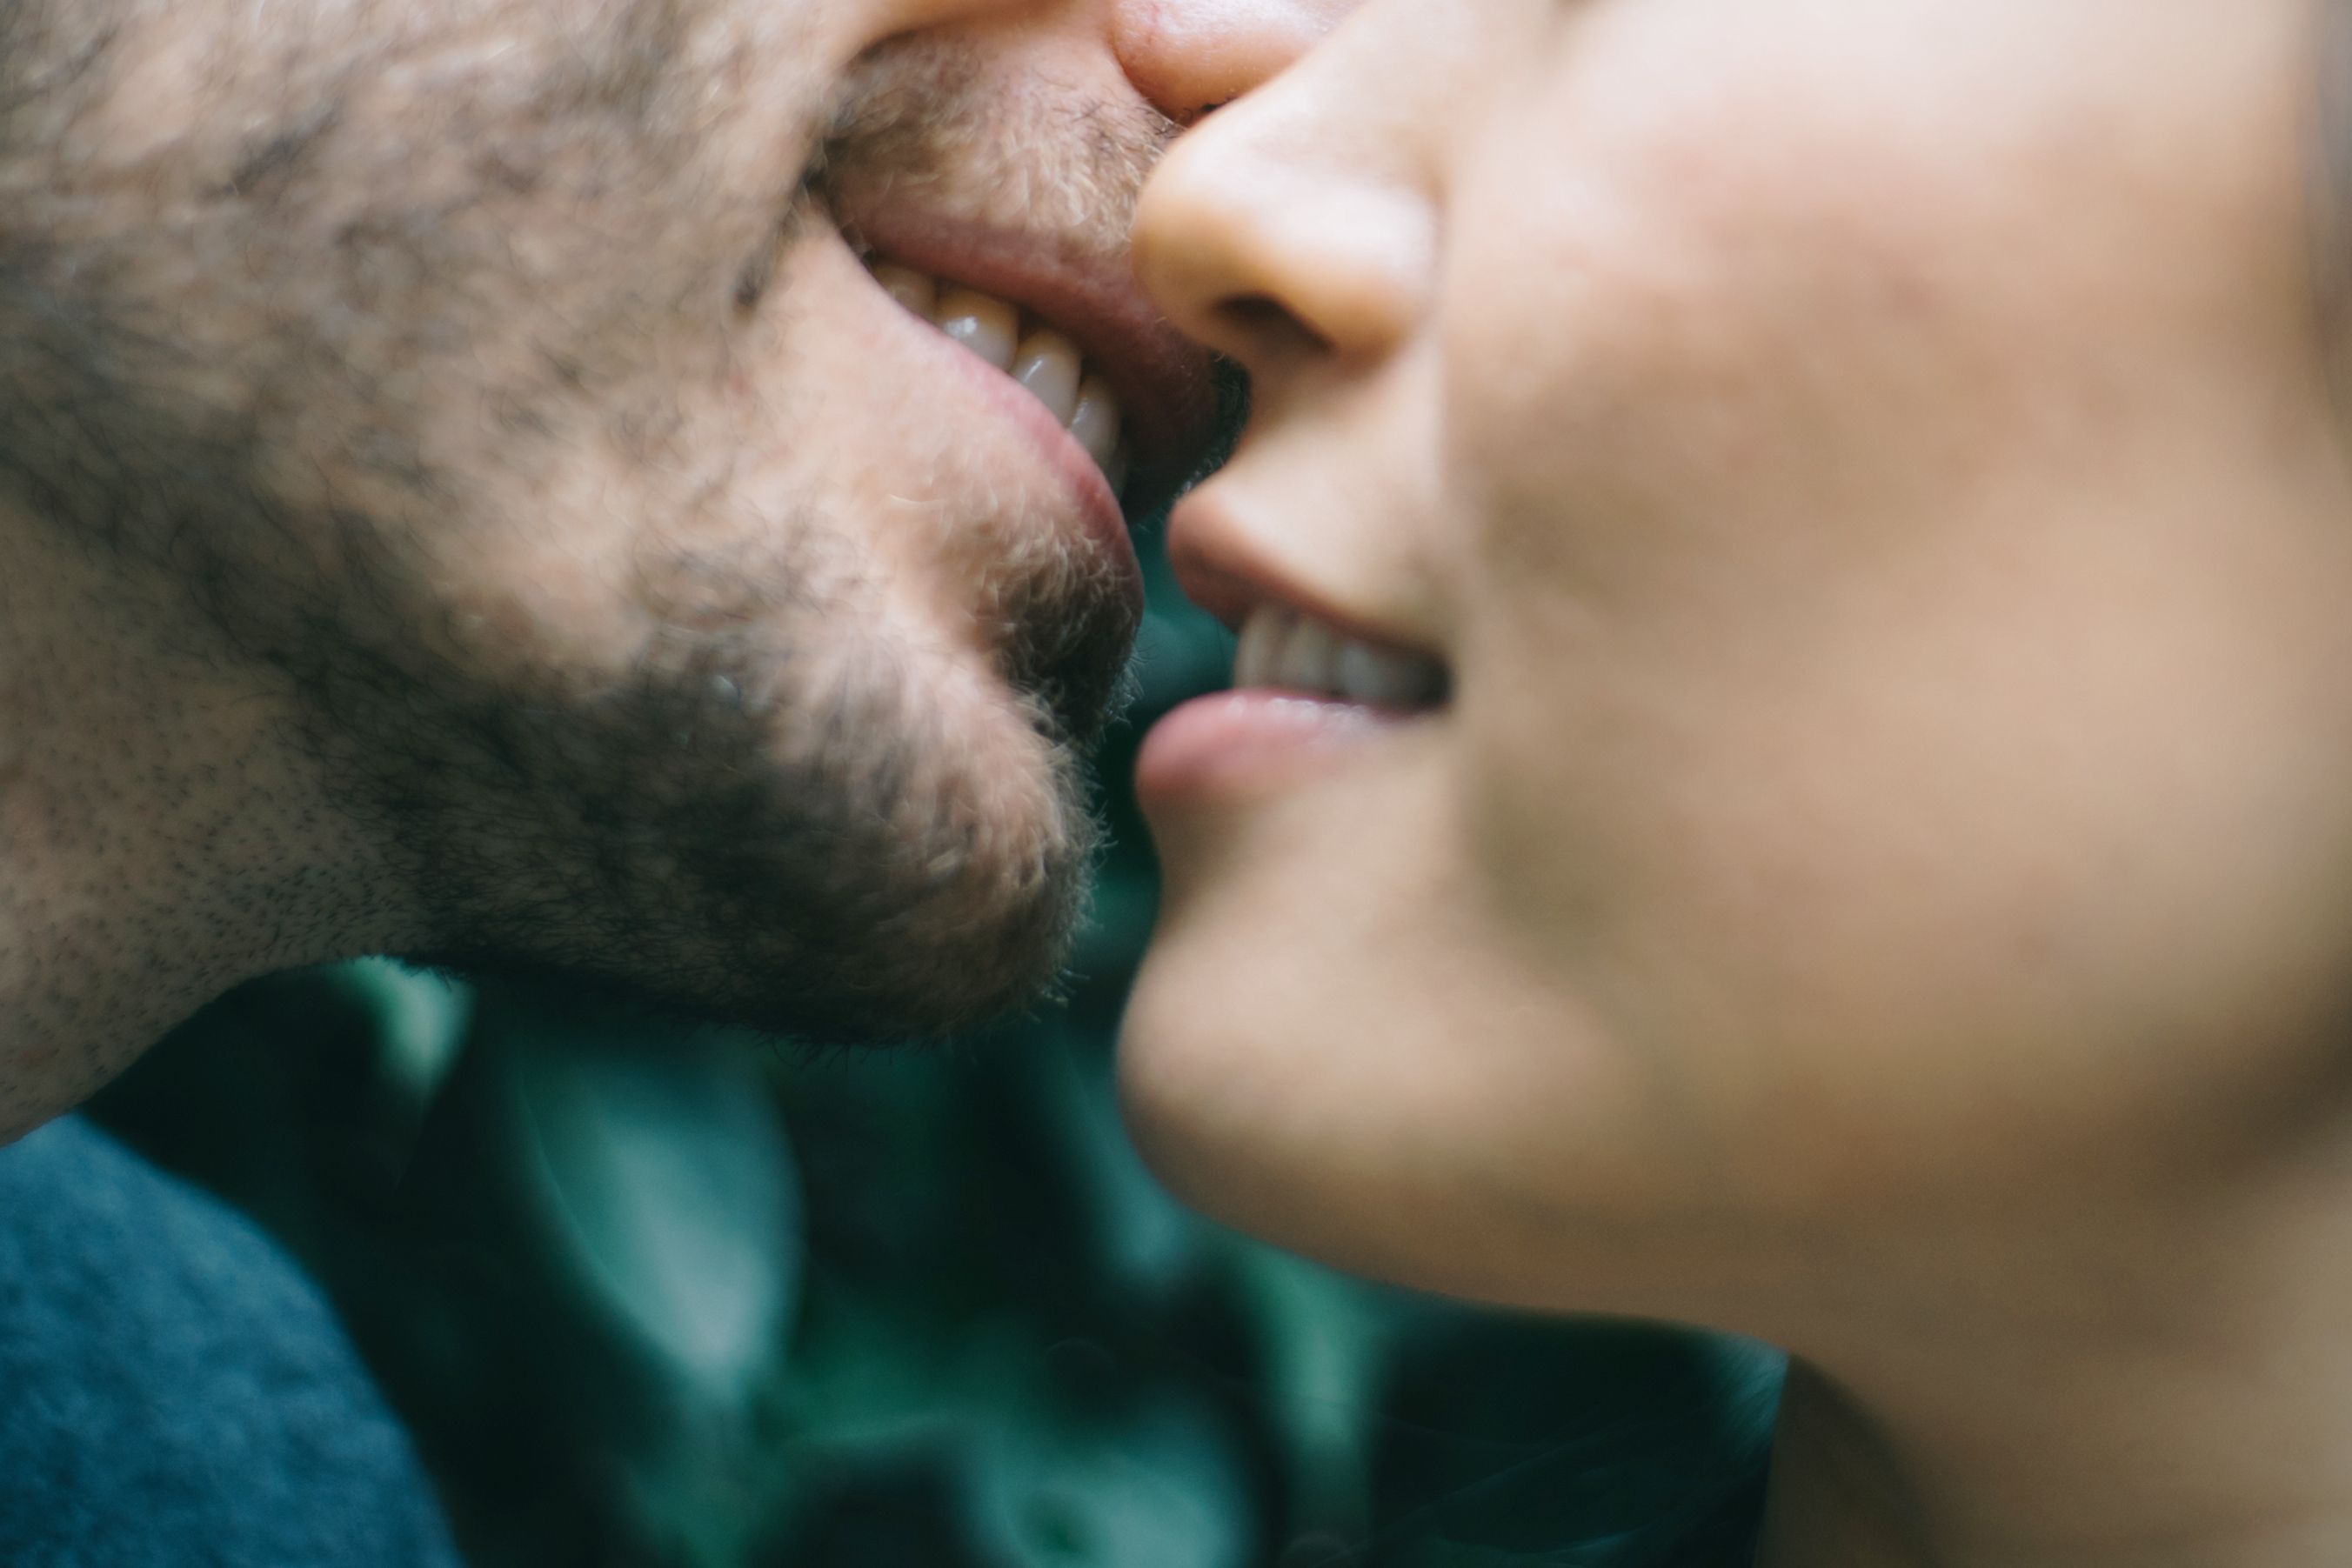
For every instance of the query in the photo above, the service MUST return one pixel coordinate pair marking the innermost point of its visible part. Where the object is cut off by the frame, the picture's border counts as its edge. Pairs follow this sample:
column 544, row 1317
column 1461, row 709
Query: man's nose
column 1188, row 57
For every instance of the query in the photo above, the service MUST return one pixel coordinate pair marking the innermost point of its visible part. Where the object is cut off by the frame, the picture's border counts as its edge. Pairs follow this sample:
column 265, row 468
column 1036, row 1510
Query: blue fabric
column 173, row 1392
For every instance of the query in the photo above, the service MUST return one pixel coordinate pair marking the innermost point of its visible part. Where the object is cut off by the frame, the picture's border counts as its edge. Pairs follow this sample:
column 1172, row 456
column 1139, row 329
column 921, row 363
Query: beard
column 767, row 798
column 781, row 811
column 774, row 817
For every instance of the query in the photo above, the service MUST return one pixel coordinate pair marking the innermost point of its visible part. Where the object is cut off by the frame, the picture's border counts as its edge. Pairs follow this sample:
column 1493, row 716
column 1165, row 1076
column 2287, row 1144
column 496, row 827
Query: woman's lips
column 1238, row 741
column 1305, row 690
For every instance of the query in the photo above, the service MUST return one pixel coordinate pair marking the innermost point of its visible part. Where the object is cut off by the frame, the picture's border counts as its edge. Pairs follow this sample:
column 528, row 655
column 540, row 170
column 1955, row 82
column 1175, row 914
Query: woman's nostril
column 1269, row 327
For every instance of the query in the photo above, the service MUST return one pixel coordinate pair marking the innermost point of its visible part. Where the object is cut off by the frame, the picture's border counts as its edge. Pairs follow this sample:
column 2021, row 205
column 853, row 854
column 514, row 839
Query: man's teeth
column 913, row 289
column 1047, row 363
column 1284, row 650
column 1040, row 359
column 987, row 326
column 1094, row 420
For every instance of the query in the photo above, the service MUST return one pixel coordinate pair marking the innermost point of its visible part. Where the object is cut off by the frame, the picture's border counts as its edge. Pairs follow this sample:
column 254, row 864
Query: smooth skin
column 1883, row 882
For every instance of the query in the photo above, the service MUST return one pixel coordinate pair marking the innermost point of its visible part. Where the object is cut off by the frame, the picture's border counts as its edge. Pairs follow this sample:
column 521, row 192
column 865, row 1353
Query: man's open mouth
column 1072, row 327
column 1038, row 356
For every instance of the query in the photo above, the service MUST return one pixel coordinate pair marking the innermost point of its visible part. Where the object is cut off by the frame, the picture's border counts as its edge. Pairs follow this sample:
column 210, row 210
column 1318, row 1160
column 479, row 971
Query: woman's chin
column 1349, row 1128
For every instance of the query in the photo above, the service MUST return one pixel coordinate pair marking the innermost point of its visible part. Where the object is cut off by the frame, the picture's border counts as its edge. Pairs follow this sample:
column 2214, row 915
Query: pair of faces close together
column 1794, row 769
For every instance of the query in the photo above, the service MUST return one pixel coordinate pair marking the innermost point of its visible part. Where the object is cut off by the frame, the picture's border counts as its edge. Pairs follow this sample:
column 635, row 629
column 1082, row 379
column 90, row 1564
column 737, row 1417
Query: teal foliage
column 651, row 1297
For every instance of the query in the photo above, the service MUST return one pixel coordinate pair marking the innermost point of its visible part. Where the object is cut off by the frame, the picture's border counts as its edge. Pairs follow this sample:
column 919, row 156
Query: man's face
column 677, row 607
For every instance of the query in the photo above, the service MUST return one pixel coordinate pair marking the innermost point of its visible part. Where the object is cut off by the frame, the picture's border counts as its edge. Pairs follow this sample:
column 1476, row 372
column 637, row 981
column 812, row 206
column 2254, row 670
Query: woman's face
column 1867, row 471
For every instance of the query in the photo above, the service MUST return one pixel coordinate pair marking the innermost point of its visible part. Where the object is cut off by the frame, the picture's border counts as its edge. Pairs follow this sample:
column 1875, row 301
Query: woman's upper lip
column 1220, row 570
column 1165, row 381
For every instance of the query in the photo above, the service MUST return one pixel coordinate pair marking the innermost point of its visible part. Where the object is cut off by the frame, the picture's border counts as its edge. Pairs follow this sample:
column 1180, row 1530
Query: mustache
column 926, row 114
column 931, row 118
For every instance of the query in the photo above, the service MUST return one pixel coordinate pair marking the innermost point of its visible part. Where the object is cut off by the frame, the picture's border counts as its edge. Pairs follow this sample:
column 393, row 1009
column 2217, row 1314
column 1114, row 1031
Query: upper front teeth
column 988, row 327
column 1040, row 359
column 1047, row 363
column 1282, row 649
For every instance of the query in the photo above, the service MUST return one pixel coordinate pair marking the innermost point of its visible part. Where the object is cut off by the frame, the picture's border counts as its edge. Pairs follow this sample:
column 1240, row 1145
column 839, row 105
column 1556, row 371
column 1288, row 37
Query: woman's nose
column 1293, row 225
column 1188, row 57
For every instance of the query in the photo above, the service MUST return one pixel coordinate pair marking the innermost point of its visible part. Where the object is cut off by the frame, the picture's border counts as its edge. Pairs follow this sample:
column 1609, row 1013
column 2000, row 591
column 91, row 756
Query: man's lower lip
column 1235, row 742
column 1167, row 384
column 1098, row 504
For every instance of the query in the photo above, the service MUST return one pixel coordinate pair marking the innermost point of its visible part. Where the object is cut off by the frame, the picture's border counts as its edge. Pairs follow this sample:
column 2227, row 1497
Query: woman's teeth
column 1039, row 359
column 1284, row 650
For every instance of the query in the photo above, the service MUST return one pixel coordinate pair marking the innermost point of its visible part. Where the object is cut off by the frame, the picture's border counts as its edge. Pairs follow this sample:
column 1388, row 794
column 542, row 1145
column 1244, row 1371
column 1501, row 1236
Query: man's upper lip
column 1164, row 381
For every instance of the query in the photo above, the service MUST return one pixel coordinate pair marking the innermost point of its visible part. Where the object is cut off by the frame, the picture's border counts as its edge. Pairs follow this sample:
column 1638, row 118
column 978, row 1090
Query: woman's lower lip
column 1234, row 741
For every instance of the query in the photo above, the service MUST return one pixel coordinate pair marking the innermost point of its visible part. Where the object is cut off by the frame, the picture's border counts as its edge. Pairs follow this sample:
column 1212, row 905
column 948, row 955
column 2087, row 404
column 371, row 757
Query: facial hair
column 776, row 810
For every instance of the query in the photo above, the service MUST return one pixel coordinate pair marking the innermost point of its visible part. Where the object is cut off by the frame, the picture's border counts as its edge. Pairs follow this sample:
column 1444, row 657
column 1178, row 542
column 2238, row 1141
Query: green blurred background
column 704, row 1301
